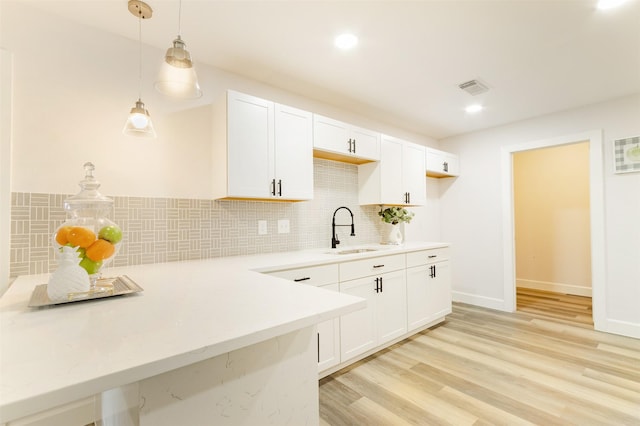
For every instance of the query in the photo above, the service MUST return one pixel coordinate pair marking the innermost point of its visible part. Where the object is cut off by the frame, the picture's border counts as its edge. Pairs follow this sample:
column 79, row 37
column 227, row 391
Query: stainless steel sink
column 353, row 251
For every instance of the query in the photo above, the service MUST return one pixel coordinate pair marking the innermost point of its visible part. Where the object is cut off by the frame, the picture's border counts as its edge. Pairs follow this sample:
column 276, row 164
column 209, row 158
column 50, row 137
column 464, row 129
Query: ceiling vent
column 474, row 87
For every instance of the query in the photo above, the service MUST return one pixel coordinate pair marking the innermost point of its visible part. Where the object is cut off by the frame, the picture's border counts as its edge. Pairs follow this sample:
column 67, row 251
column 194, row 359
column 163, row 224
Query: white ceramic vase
column 391, row 234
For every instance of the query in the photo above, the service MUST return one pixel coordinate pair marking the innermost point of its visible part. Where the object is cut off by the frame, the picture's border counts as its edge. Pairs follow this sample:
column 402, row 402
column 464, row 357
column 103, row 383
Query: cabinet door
column 329, row 339
column 417, row 296
column 357, row 329
column 349, row 143
column 413, row 174
column 428, row 293
column 392, row 190
column 441, row 164
column 452, row 164
column 250, row 139
column 391, row 303
column 293, row 153
column 366, row 143
column 439, row 301
column 398, row 178
column 331, row 135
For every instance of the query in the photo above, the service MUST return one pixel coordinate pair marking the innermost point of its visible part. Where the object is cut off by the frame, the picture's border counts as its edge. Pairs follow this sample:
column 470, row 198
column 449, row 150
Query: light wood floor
column 562, row 308
column 537, row 366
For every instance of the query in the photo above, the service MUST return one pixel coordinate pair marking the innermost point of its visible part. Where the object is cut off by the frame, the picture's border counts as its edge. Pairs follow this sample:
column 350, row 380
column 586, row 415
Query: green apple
column 81, row 252
column 111, row 233
column 90, row 266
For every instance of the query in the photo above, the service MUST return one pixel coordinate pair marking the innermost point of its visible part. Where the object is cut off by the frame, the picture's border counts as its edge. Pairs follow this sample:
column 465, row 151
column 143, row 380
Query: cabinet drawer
column 313, row 275
column 371, row 266
column 423, row 257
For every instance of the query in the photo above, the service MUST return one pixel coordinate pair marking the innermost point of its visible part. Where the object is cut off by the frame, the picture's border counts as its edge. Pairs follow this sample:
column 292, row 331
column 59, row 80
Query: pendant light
column 139, row 122
column 177, row 75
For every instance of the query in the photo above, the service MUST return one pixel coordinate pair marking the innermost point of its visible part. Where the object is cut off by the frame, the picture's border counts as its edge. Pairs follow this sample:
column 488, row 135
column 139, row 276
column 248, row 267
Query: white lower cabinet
column 382, row 283
column 326, row 277
column 357, row 329
column 329, row 339
column 383, row 319
column 404, row 292
column 428, row 287
column 391, row 307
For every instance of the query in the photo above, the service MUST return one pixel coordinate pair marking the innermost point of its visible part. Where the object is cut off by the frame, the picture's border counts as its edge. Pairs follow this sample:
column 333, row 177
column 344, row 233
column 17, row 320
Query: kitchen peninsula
column 209, row 339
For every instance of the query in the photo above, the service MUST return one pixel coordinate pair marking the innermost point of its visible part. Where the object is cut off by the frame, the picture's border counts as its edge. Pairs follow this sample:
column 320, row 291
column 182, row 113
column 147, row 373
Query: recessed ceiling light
column 472, row 109
column 346, row 41
column 609, row 4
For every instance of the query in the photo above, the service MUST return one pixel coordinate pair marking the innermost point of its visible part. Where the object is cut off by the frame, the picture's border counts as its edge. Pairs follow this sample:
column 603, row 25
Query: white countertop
column 188, row 312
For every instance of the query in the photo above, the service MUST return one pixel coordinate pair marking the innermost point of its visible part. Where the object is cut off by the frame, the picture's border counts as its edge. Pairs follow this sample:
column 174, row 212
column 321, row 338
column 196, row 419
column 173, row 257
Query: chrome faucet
column 334, row 237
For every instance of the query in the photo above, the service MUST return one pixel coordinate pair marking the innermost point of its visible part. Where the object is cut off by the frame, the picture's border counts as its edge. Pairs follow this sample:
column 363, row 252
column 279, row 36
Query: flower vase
column 391, row 234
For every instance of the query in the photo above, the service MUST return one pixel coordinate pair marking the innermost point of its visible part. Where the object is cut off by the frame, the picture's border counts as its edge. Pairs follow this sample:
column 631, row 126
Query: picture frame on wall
column 626, row 154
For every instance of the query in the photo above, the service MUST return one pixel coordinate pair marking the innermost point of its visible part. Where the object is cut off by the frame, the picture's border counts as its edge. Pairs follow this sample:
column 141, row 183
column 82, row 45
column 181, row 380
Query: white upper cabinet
column 335, row 140
column 293, row 153
column 398, row 178
column 441, row 163
column 413, row 165
column 250, row 146
column 262, row 150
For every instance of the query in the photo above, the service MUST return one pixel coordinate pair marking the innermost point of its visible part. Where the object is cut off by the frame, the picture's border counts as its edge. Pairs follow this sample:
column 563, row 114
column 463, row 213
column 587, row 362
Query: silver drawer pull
column 431, row 256
column 301, row 279
column 378, row 266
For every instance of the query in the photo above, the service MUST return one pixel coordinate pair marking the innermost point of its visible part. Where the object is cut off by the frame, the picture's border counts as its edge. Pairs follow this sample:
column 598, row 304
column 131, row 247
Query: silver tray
column 105, row 287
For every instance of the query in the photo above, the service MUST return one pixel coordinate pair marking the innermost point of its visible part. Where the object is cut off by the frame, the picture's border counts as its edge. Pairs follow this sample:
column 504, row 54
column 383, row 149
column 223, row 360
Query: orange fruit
column 80, row 237
column 62, row 235
column 100, row 250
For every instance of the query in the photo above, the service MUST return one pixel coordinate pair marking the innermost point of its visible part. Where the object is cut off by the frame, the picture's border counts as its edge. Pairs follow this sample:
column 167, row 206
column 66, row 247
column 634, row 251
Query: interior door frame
column 6, row 78
column 597, row 223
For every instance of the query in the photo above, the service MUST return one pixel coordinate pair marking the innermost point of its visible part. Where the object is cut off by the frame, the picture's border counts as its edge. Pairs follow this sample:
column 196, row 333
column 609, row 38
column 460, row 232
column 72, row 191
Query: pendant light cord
column 140, row 56
column 180, row 18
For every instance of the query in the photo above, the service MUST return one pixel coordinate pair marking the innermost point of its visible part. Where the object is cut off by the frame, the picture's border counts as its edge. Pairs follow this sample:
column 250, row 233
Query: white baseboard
column 483, row 301
column 624, row 328
column 554, row 287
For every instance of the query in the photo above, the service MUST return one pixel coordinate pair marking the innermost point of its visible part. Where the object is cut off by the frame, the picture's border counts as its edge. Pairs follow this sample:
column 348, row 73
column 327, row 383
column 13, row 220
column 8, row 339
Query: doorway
column 596, row 219
column 552, row 231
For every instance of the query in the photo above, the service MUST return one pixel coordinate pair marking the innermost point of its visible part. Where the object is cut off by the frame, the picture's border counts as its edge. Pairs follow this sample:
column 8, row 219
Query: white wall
column 73, row 88
column 552, row 220
column 474, row 218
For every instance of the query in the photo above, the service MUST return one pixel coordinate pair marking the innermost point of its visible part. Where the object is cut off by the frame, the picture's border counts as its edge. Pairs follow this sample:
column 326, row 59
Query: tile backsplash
column 171, row 229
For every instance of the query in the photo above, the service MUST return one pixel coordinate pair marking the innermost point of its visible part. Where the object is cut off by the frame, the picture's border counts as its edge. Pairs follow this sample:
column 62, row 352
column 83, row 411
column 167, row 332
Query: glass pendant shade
column 139, row 122
column 178, row 82
column 177, row 77
column 178, row 55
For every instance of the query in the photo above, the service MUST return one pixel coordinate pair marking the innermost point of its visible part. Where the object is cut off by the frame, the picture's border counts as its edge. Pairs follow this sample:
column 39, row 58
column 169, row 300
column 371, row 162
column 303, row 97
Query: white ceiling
column 538, row 57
